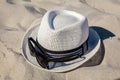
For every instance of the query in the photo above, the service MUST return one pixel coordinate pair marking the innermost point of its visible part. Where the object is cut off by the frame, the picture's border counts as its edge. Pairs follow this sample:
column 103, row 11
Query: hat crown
column 62, row 30
column 63, row 20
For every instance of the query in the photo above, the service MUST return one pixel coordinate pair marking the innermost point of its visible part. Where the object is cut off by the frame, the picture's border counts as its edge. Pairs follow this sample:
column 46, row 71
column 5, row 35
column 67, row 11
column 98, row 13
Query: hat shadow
column 99, row 56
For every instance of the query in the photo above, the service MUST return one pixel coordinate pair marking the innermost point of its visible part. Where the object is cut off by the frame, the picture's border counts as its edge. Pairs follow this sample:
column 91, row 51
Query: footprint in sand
column 107, row 6
column 15, row 1
column 38, row 12
column 10, row 1
column 116, row 2
column 35, row 10
column 7, row 77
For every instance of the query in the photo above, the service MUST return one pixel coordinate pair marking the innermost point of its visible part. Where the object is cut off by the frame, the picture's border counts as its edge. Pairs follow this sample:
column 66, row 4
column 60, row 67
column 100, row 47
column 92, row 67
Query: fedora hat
column 60, row 42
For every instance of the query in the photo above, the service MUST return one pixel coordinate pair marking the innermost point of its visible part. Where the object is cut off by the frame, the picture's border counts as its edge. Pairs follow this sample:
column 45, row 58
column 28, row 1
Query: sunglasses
column 43, row 58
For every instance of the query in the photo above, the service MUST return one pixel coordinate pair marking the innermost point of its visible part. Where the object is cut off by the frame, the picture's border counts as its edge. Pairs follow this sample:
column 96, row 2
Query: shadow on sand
column 99, row 56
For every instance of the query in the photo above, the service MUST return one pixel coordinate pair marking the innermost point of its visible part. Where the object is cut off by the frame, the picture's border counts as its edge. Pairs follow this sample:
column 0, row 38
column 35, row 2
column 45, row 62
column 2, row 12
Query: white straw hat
column 63, row 36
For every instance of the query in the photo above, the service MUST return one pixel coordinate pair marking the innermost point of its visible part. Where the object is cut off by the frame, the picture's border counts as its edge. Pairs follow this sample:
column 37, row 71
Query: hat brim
column 93, row 47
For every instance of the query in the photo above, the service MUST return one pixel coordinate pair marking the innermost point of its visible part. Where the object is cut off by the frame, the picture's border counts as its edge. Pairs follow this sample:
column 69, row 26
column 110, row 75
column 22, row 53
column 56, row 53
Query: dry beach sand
column 16, row 17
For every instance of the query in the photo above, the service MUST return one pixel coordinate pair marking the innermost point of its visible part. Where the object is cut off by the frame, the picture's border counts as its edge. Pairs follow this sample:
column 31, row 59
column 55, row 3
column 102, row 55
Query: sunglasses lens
column 42, row 62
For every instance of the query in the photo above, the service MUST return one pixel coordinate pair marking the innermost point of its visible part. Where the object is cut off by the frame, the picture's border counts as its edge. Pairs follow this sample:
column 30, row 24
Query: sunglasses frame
column 43, row 59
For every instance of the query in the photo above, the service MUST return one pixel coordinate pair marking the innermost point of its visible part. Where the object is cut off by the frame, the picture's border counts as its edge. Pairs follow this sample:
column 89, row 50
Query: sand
column 16, row 17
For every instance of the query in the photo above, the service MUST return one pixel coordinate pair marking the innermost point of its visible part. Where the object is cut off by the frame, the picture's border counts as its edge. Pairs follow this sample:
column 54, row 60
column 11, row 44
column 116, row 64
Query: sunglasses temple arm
column 31, row 47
